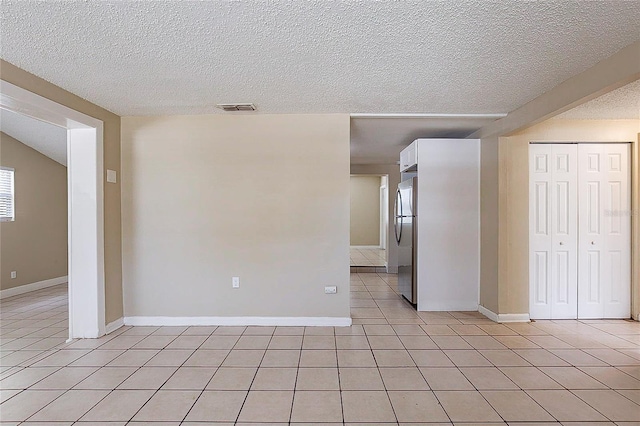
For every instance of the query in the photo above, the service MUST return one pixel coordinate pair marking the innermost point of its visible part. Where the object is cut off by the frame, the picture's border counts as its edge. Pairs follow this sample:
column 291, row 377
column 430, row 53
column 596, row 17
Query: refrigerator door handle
column 398, row 217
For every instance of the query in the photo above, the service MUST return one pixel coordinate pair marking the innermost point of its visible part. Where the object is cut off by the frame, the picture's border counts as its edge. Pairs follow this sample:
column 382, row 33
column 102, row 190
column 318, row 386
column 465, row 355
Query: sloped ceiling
column 619, row 104
column 45, row 138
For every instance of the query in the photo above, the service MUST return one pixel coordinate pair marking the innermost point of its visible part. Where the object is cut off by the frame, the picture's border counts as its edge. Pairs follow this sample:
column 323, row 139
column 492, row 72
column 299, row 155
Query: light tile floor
column 393, row 366
column 359, row 256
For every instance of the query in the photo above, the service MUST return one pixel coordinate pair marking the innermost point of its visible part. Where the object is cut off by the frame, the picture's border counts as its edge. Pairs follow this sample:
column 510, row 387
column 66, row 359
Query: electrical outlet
column 235, row 282
column 331, row 289
column 14, row 274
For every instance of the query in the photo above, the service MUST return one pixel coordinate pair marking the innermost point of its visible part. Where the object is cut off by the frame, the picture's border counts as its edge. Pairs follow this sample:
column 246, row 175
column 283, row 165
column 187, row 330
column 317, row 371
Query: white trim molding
column 26, row 288
column 114, row 325
column 242, row 321
column 85, row 180
column 423, row 115
column 500, row 318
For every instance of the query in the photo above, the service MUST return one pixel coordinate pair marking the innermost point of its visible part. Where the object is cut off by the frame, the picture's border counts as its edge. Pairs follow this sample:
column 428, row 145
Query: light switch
column 111, row 176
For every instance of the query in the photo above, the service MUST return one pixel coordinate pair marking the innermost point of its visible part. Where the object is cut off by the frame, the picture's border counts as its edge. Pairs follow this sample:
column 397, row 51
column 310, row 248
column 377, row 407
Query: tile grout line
column 254, row 374
column 139, row 368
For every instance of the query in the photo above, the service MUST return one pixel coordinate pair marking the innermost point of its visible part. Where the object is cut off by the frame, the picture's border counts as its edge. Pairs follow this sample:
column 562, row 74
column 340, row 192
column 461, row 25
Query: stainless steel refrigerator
column 405, row 225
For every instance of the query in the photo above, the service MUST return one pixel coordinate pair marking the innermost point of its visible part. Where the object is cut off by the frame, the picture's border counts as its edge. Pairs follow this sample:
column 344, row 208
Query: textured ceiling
column 457, row 56
column 620, row 104
column 45, row 138
column 380, row 140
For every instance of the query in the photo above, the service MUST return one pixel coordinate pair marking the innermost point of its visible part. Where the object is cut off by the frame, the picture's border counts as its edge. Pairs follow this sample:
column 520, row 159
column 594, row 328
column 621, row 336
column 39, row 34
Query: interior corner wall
column 513, row 227
column 489, row 223
column 35, row 243
column 112, row 217
column 393, row 171
column 261, row 197
column 365, row 210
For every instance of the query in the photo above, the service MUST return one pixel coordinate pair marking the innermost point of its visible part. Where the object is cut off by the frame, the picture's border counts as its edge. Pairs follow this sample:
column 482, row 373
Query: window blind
column 7, row 208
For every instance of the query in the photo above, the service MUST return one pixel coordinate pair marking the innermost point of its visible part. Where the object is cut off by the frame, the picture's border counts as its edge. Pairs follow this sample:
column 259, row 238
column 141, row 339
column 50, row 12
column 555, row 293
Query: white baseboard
column 487, row 313
column 33, row 286
column 503, row 317
column 366, row 247
column 113, row 326
column 447, row 306
column 242, row 321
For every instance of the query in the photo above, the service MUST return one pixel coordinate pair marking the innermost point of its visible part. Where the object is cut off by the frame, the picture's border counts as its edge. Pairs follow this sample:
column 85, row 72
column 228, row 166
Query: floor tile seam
column 160, row 349
column 435, row 395
column 339, row 378
column 594, row 408
column 295, row 383
column 12, row 396
column 624, row 372
column 254, row 374
column 167, row 380
column 487, row 367
column 618, row 391
column 25, row 347
column 36, row 331
column 574, row 388
column 135, row 370
column 600, row 381
column 528, row 396
column 58, row 368
column 60, row 396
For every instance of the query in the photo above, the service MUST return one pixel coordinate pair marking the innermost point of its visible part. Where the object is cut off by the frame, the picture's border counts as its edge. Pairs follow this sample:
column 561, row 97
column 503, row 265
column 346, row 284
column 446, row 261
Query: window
column 7, row 208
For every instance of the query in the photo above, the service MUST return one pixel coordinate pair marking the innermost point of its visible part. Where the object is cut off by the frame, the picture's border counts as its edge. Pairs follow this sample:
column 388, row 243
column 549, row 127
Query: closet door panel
column 604, row 269
column 540, row 233
column 553, row 212
column 564, row 244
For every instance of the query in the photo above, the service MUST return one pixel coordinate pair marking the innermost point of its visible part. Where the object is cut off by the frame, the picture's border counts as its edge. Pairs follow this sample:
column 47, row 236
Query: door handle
column 593, row 243
column 561, row 243
column 398, row 218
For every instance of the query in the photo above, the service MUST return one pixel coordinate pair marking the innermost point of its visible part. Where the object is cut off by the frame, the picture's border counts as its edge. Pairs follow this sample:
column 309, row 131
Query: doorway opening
column 369, row 227
column 85, row 204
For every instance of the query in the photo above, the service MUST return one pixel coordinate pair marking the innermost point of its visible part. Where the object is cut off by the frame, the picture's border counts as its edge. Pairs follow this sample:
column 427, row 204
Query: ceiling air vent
column 237, row 107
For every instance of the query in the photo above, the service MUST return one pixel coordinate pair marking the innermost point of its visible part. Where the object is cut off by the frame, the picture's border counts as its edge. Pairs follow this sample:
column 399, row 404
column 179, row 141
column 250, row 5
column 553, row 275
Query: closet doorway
column 580, row 230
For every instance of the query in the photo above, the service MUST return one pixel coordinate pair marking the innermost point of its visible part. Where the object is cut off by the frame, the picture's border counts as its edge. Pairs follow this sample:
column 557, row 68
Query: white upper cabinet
column 409, row 158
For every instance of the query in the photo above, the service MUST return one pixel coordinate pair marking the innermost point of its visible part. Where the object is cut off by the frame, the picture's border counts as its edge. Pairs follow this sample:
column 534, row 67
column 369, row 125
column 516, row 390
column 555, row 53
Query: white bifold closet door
column 554, row 231
column 604, row 246
column 579, row 231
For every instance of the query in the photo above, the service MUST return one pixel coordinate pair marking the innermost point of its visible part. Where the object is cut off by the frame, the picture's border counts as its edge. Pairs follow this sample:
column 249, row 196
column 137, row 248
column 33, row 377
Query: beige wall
column 112, row 231
column 35, row 244
column 513, row 268
column 365, row 210
column 489, row 223
column 393, row 173
column 262, row 197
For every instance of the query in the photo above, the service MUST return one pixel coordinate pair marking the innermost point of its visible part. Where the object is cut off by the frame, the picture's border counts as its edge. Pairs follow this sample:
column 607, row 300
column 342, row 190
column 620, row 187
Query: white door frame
column 85, row 183
column 384, row 211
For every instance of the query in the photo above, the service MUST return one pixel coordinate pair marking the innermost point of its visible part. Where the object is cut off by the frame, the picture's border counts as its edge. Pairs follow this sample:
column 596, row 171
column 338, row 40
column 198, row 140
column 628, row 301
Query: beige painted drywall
column 489, row 223
column 261, row 197
column 112, row 222
column 35, row 243
column 513, row 228
column 365, row 210
column 393, row 173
